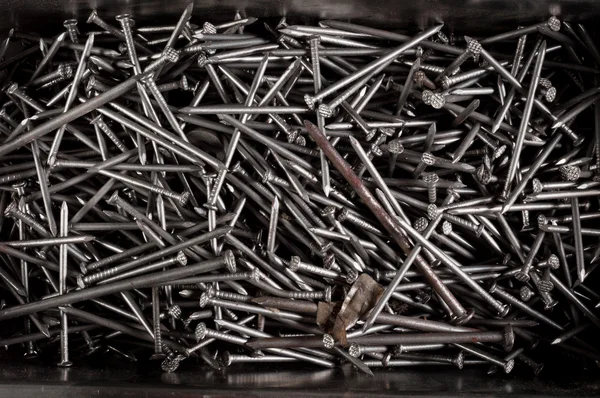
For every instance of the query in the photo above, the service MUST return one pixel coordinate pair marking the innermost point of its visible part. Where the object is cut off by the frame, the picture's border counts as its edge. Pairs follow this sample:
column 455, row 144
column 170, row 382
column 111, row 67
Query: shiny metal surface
column 489, row 15
column 121, row 379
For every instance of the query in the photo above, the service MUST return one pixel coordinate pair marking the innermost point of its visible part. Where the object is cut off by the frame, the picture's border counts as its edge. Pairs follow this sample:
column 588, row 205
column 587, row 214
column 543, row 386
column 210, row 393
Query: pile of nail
column 329, row 194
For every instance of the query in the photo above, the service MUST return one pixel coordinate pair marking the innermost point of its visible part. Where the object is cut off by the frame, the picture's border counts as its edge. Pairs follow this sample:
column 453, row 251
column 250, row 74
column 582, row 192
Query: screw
column 524, row 121
column 436, row 100
column 99, row 276
column 71, row 26
column 543, row 289
column 507, row 366
column 62, row 284
column 523, row 307
column 431, row 179
column 99, row 122
column 472, row 50
column 523, row 274
column 525, row 293
column 385, row 60
column 421, row 80
column 290, row 353
column 552, row 261
column 179, row 259
column 458, row 360
column 228, row 359
column 64, row 71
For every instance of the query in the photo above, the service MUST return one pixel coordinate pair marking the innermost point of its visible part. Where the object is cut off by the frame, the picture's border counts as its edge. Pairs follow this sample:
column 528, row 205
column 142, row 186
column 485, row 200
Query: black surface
column 33, row 379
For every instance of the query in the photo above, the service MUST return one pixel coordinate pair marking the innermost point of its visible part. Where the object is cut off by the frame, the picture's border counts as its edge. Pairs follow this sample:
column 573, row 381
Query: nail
column 385, row 60
column 524, row 120
column 62, row 283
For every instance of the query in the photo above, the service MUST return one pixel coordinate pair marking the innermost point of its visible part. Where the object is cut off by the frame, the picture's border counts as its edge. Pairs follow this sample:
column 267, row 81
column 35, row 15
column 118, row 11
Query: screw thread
column 157, row 338
column 308, row 295
column 111, row 135
column 126, row 27
column 221, row 294
column 319, row 271
column 526, row 219
column 214, row 192
column 168, row 351
column 100, row 23
column 432, row 193
column 153, row 87
column 98, row 276
column 465, row 76
column 17, row 92
column 191, row 286
column 361, row 223
column 462, row 222
column 26, row 218
column 222, row 336
column 72, row 32
column 49, row 77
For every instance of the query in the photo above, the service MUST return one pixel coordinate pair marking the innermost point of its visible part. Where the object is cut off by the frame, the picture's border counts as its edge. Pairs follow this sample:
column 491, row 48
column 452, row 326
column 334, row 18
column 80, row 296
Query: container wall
column 470, row 15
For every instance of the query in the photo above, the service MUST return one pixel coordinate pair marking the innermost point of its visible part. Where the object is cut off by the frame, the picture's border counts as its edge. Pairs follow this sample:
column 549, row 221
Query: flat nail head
column 203, row 300
column 327, row 295
column 310, row 101
column 181, row 258
column 569, row 172
column 171, row 54
column 446, row 228
column 432, row 211
column 554, row 23
column 169, row 365
column 395, row 147
column 428, row 158
column 113, row 198
column 509, row 338
column 421, row 224
column 474, row 48
column 226, row 358
column 464, row 318
column 460, row 360
column 202, row 60
column 183, row 198
column 525, row 293
column 209, row 28
column 12, row 88
column 123, row 17
column 550, row 95
column 343, row 214
column 553, row 261
column 325, row 110
column 522, row 277
column 351, row 277
column 536, row 185
column 230, row 262
column 431, row 178
column 65, row 364
column 445, row 81
column 200, row 331
column 354, row 350
column 508, row 366
column 93, row 16
column 328, row 341
column 294, row 263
